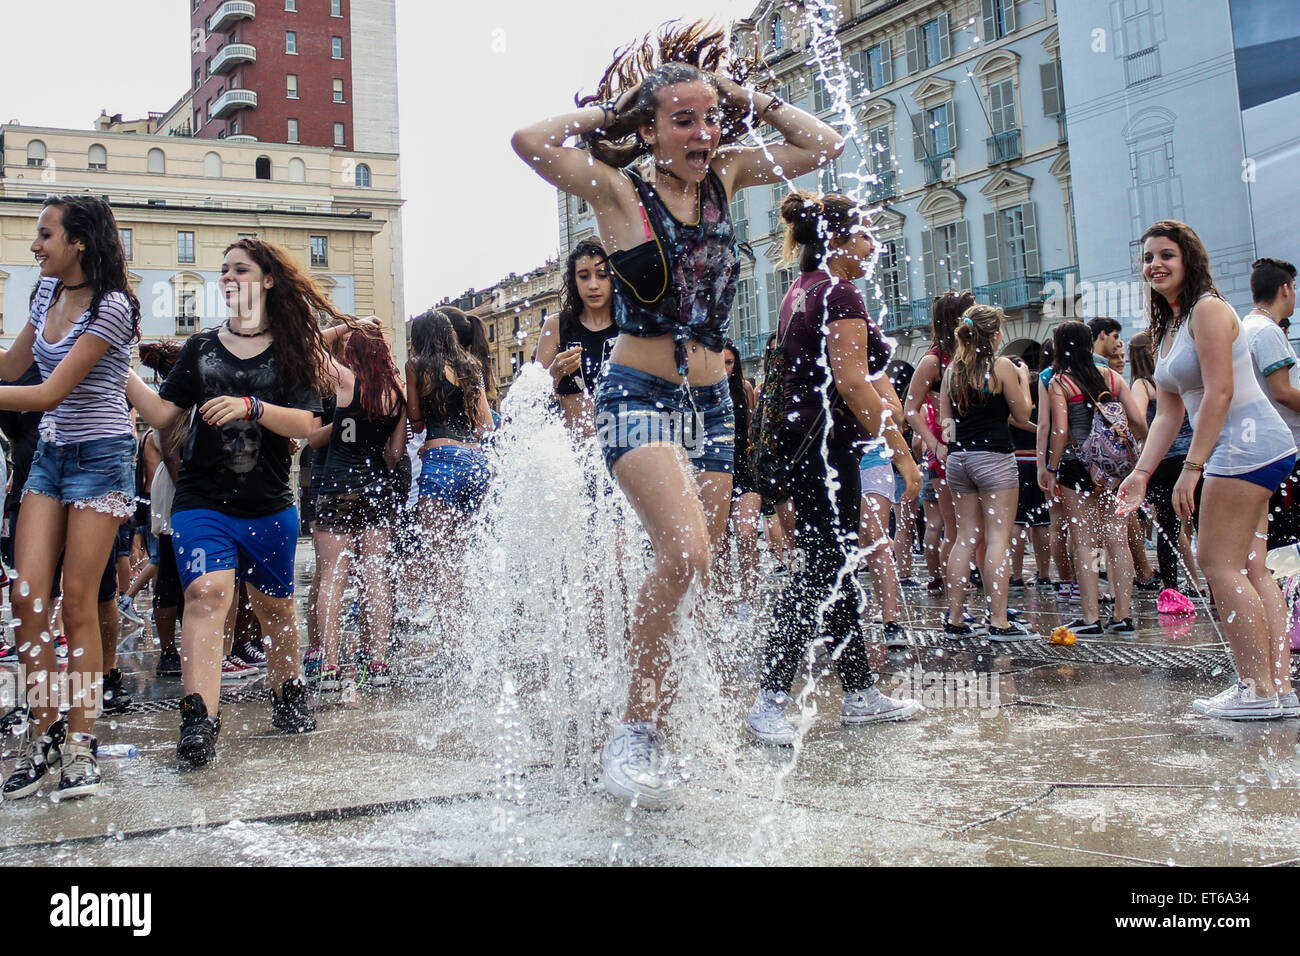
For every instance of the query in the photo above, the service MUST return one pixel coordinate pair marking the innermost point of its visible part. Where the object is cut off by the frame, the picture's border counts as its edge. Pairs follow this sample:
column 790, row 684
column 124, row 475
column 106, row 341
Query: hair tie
column 969, row 320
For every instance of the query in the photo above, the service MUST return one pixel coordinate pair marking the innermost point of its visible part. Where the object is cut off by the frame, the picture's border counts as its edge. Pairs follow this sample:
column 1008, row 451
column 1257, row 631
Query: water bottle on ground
column 118, row 751
column 1283, row 561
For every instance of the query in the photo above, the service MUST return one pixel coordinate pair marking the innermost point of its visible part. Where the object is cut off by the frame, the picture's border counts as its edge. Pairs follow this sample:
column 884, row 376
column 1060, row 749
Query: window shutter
column 773, row 303
column 886, row 62
column 963, row 257
column 913, row 55
column 992, row 247
column 952, row 125
column 900, row 265
column 945, row 38
column 1117, row 30
column 927, row 253
column 919, row 152
column 990, row 24
column 1049, row 73
column 1008, row 15
column 995, row 108
column 1032, row 264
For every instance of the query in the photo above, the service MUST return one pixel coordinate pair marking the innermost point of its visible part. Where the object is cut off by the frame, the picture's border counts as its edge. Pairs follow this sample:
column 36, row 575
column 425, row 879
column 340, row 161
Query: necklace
column 74, row 288
column 244, row 335
column 1264, row 312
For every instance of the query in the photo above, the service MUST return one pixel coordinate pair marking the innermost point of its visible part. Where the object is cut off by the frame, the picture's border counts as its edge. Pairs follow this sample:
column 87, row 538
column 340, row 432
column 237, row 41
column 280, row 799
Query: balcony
column 241, row 138
column 1142, row 66
column 232, row 55
column 1062, row 134
column 898, row 317
column 751, row 346
column 230, row 12
column 232, row 101
column 920, row 310
column 885, row 187
column 1004, row 147
column 774, row 225
column 937, row 165
column 1018, row 293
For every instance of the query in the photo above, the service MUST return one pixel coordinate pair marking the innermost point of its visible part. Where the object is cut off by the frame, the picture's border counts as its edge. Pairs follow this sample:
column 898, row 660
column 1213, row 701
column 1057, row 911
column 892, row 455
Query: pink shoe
column 1174, row 602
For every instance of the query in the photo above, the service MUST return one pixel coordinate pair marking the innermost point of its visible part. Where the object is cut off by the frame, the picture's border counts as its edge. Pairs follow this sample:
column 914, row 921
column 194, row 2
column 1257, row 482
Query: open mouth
column 698, row 160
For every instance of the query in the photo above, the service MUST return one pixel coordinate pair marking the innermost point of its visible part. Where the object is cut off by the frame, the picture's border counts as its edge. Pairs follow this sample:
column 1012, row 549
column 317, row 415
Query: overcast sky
column 469, row 75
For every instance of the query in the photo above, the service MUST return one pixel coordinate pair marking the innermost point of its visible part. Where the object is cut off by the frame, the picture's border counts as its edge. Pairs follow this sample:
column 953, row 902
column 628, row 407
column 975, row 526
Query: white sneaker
column 871, row 706
column 767, row 720
column 634, row 766
column 1290, row 705
column 1239, row 702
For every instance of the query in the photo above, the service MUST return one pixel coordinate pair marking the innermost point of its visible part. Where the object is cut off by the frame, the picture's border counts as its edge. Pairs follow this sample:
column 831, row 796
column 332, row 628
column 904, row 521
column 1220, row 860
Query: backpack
column 1110, row 450
column 771, row 463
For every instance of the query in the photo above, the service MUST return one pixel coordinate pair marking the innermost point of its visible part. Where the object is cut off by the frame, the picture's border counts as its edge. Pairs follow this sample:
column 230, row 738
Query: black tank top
column 594, row 353
column 454, row 423
column 1020, row 437
column 356, row 448
column 983, row 426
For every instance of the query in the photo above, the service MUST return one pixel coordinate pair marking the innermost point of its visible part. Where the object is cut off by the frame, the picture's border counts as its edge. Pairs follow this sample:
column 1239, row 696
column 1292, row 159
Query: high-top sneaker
column 40, row 755
column 289, row 711
column 80, row 770
column 114, row 699
column 198, row 743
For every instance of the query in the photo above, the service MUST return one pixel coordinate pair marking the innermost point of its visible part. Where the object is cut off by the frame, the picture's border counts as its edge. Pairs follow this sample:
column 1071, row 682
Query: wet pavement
column 1027, row 754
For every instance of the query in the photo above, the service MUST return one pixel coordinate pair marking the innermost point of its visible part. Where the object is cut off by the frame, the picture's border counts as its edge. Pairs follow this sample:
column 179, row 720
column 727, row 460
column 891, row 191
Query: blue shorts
column 259, row 550
column 455, row 475
column 98, row 474
column 634, row 408
column 1270, row 476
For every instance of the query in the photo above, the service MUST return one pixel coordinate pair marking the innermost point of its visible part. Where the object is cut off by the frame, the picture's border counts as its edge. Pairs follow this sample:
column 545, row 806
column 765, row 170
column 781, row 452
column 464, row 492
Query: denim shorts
column 455, row 475
column 98, row 474
column 258, row 550
column 634, row 408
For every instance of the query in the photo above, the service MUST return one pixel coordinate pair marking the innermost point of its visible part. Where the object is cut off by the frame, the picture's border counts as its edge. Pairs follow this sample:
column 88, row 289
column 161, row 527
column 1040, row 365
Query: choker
column 74, row 288
column 244, row 335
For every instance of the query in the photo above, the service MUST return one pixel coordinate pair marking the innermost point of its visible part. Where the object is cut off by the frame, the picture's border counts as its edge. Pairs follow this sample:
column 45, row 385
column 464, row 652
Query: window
column 823, row 98
column 338, row 91
column 340, row 135
column 207, row 67
column 207, row 111
column 157, row 161
column 291, row 86
column 97, row 157
column 1053, row 95
column 1002, row 106
column 946, row 251
column 930, row 43
column 290, row 6
column 293, row 131
column 740, row 217
column 198, row 78
column 745, row 318
column 233, row 128
column 184, row 247
column 128, row 246
column 187, row 312
column 35, row 153
column 776, row 32
column 1011, row 243
column 999, row 18
column 212, row 165
column 877, row 70
column 291, row 42
column 297, row 170
column 891, row 273
column 262, row 167
column 940, row 133
column 319, row 251
column 336, row 8
column 336, row 47
column 363, row 176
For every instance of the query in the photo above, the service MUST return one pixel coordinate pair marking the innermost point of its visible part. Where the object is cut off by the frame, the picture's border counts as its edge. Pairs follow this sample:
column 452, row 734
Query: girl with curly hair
column 682, row 108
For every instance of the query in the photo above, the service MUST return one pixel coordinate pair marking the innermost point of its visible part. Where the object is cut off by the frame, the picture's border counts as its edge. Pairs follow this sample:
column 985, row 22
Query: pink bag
column 1174, row 602
column 1291, row 591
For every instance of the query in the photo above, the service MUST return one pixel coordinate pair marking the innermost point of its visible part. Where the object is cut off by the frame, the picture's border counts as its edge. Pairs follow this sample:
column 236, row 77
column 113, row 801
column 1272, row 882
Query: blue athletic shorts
column 259, row 550
column 1271, row 476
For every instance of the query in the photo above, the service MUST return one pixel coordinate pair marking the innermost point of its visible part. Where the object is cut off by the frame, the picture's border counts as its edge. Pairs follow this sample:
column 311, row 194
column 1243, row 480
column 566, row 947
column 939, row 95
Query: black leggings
column 1160, row 492
column 167, row 591
column 827, row 540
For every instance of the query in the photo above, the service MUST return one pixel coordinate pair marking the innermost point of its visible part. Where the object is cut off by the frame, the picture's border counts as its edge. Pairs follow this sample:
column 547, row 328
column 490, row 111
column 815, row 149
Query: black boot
column 114, row 699
column 198, row 744
column 289, row 710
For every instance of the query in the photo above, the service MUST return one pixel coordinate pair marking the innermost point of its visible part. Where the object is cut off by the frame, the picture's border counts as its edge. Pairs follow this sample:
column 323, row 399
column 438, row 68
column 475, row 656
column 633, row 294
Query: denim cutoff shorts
column 634, row 408
column 455, row 475
column 98, row 474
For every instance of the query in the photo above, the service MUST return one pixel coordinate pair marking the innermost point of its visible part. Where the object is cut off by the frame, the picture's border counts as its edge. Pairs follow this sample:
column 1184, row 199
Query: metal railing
column 1017, row 293
column 229, row 12
column 936, row 166
column 920, row 310
column 885, row 186
column 232, row 100
column 1060, row 275
column 233, row 54
column 898, row 317
column 1062, row 132
column 1004, row 147
column 1142, row 66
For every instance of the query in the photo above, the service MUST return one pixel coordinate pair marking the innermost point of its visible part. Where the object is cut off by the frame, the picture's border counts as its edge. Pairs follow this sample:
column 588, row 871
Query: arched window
column 778, row 32
column 363, row 176
column 35, row 153
column 297, row 171
column 212, row 165
column 97, row 157
column 263, row 167
column 157, row 161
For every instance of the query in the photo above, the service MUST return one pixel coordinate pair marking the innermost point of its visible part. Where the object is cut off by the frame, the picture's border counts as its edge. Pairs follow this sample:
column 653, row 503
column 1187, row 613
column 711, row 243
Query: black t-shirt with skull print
column 240, row 469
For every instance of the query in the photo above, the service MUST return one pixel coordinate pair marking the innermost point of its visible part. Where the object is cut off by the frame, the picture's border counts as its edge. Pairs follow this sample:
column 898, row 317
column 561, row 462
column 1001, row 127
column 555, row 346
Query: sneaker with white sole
column 767, row 720
column 978, row 628
column 896, row 636
column 871, row 706
column 234, row 672
column 1086, row 632
column 40, row 755
column 1239, row 702
column 79, row 773
column 1290, row 704
column 126, row 607
column 634, row 766
column 1014, row 631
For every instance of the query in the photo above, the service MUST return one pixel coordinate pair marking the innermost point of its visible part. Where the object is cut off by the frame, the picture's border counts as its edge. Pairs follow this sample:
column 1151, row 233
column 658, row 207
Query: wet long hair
column 571, row 304
column 367, row 355
column 681, row 53
column 434, row 347
column 972, row 361
column 294, row 311
column 945, row 313
column 1072, row 356
column 90, row 220
column 472, row 337
column 1142, row 359
column 736, row 385
column 812, row 222
column 1196, row 277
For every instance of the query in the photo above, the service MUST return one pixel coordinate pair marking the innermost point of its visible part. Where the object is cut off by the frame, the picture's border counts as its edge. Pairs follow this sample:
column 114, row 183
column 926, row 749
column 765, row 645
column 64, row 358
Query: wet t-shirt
column 240, row 469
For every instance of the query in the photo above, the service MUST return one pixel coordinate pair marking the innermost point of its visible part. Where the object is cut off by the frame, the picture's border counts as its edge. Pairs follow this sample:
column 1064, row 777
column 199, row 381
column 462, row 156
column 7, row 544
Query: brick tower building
column 312, row 72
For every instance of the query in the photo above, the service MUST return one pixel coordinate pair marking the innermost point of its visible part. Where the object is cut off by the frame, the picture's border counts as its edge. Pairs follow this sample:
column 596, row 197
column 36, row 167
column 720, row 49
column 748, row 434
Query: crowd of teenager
column 843, row 459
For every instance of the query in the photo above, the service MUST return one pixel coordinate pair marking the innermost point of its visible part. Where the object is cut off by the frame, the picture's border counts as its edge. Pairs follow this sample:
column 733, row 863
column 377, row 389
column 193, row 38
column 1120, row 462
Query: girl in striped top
column 82, row 481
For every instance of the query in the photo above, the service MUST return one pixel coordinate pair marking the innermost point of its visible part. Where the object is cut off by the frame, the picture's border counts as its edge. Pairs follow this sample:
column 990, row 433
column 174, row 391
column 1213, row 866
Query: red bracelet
column 248, row 408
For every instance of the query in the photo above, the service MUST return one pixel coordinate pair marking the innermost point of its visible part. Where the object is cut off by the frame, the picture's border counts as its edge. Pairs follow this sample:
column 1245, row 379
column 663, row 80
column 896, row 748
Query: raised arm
column 574, row 170
column 809, row 144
